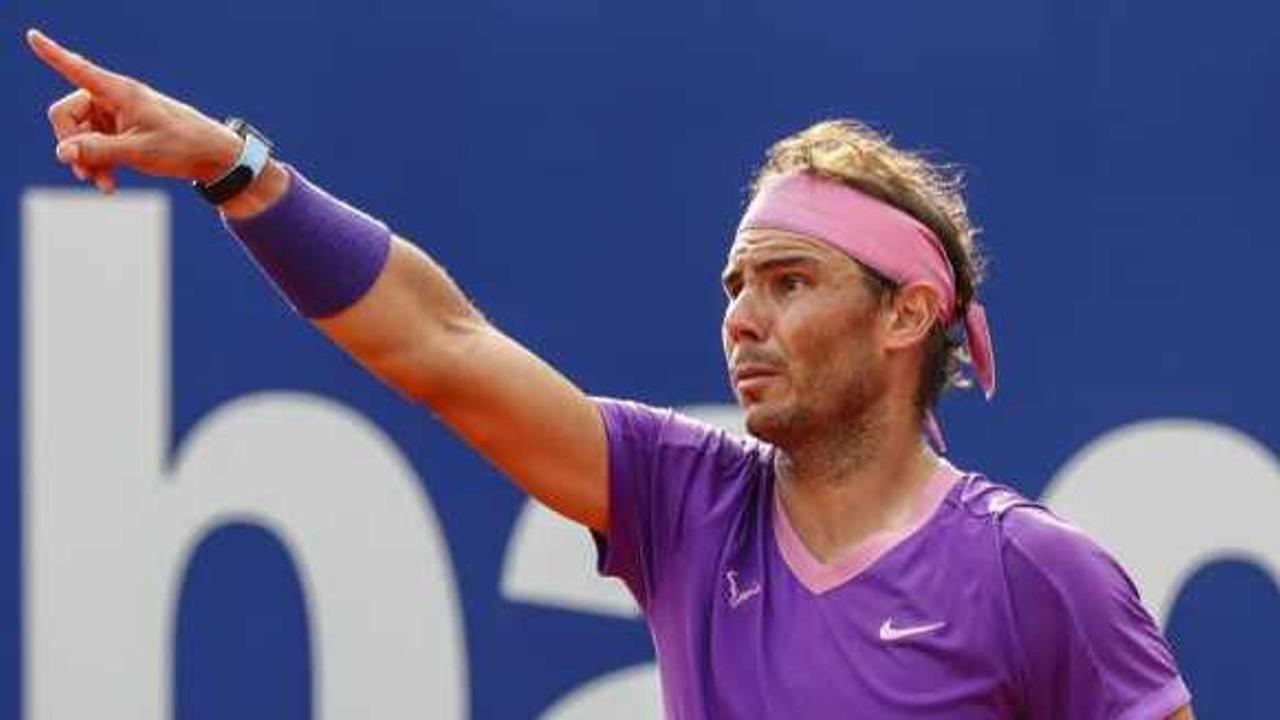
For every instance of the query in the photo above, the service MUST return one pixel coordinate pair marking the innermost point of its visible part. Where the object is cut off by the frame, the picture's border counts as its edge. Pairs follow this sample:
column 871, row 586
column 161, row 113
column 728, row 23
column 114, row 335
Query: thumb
column 96, row 149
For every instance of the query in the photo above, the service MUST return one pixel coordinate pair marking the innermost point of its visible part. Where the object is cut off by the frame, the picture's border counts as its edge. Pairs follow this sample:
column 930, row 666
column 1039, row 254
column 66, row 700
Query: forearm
column 412, row 327
column 263, row 192
column 405, row 327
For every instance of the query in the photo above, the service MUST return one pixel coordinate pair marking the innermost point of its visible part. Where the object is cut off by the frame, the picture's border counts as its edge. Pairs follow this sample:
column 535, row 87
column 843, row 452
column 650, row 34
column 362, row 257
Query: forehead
column 757, row 245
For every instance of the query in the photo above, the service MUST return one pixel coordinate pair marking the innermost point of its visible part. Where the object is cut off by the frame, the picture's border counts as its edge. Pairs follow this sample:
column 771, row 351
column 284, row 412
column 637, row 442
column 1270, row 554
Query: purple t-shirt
column 990, row 607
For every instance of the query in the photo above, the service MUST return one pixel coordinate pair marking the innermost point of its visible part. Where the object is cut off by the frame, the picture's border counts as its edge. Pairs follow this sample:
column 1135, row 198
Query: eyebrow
column 732, row 275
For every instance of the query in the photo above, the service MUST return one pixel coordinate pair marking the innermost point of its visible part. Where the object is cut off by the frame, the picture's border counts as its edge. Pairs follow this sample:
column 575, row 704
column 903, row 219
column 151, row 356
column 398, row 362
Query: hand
column 113, row 120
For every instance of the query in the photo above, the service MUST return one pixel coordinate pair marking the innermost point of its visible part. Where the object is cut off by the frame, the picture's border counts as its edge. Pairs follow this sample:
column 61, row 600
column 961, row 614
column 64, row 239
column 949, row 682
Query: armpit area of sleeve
column 621, row 550
column 1089, row 645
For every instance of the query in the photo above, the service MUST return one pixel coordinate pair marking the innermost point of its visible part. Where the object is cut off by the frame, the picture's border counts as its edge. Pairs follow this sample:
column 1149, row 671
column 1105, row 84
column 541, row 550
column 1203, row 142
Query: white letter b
column 110, row 526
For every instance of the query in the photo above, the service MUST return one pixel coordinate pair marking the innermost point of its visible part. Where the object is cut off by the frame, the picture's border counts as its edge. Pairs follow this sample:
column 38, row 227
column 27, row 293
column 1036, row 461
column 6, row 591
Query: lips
column 748, row 377
column 750, row 372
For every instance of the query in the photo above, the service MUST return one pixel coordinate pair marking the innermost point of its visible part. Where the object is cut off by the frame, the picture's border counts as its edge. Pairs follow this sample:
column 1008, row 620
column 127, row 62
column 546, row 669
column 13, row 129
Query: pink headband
column 883, row 238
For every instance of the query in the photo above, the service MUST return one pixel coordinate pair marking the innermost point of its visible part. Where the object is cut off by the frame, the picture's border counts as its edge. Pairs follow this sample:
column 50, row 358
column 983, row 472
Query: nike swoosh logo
column 889, row 633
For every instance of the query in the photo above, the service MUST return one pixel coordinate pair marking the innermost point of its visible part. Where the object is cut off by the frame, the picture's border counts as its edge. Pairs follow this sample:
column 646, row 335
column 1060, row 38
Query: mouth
column 747, row 378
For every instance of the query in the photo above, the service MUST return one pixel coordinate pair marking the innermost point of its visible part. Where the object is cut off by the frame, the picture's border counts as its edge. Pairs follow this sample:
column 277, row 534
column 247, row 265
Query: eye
column 788, row 283
column 732, row 285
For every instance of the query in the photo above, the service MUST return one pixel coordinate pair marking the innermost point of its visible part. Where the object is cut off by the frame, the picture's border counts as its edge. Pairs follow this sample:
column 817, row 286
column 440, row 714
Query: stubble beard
column 840, row 416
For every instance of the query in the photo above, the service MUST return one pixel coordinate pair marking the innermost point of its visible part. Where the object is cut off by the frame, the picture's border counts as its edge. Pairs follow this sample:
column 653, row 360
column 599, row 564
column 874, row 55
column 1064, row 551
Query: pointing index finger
column 104, row 84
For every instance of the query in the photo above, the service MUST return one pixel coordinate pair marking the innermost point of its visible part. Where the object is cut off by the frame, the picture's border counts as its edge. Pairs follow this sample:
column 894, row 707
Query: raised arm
column 413, row 328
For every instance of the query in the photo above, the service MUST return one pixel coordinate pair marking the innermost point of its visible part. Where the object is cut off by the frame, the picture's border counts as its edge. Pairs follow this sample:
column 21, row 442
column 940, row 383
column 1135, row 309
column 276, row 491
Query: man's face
column 800, row 336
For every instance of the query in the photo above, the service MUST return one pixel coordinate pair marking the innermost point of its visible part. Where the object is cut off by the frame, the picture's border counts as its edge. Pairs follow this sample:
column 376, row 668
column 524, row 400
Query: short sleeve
column 666, row 473
column 1090, row 650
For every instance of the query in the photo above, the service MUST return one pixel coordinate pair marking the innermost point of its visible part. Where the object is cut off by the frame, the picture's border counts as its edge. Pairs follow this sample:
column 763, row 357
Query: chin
column 766, row 423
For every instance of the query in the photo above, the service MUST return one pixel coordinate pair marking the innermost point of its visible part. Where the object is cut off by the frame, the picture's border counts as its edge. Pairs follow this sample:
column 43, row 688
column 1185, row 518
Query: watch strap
column 253, row 158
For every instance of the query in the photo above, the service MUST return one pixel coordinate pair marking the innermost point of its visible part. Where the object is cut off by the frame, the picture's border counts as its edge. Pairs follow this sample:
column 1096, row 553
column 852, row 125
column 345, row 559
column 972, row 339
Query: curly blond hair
column 851, row 152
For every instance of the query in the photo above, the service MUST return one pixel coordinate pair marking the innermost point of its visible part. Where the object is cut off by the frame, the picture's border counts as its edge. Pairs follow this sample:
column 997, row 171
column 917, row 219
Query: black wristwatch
column 253, row 158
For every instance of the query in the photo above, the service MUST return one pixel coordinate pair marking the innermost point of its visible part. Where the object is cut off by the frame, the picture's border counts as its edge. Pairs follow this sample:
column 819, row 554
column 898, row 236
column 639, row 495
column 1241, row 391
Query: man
column 834, row 566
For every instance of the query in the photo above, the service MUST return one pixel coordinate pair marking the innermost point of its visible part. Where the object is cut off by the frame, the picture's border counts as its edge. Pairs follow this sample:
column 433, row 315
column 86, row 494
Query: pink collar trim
column 819, row 577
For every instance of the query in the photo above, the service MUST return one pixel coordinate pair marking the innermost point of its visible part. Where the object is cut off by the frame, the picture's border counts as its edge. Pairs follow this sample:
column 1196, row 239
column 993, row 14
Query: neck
column 840, row 488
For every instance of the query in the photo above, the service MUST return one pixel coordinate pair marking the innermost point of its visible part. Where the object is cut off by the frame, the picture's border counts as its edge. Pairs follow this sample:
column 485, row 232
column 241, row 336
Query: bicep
column 416, row 331
column 530, row 422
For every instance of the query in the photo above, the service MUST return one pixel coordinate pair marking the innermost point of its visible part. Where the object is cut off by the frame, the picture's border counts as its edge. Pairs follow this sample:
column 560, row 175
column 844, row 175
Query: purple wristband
column 321, row 253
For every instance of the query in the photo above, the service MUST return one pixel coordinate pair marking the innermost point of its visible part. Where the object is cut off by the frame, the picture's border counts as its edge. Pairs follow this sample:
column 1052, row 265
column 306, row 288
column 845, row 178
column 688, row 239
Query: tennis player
column 834, row 565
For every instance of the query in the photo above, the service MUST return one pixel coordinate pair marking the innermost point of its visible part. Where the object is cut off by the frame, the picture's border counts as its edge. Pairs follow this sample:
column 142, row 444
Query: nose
column 743, row 320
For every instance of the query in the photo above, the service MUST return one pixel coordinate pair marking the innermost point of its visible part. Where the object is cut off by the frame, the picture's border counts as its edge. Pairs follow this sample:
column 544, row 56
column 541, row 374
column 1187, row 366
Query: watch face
column 256, row 152
column 249, row 129
column 242, row 128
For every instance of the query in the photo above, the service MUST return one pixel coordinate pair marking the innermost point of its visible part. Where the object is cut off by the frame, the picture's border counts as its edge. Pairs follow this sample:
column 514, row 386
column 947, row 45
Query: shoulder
column 1048, row 563
column 1041, row 548
column 669, row 473
column 1081, row 639
column 1086, row 639
column 668, row 434
column 1027, row 528
column 990, row 503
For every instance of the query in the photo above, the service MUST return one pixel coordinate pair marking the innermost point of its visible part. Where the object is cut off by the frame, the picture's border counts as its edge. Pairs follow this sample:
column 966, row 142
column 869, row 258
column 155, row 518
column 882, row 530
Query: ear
column 912, row 313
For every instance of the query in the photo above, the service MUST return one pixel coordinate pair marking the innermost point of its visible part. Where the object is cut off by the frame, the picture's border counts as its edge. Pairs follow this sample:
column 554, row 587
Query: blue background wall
column 578, row 167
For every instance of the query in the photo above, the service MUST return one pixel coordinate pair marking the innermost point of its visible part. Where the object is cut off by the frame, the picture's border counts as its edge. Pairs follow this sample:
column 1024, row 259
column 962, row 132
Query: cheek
column 827, row 357
column 831, row 344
